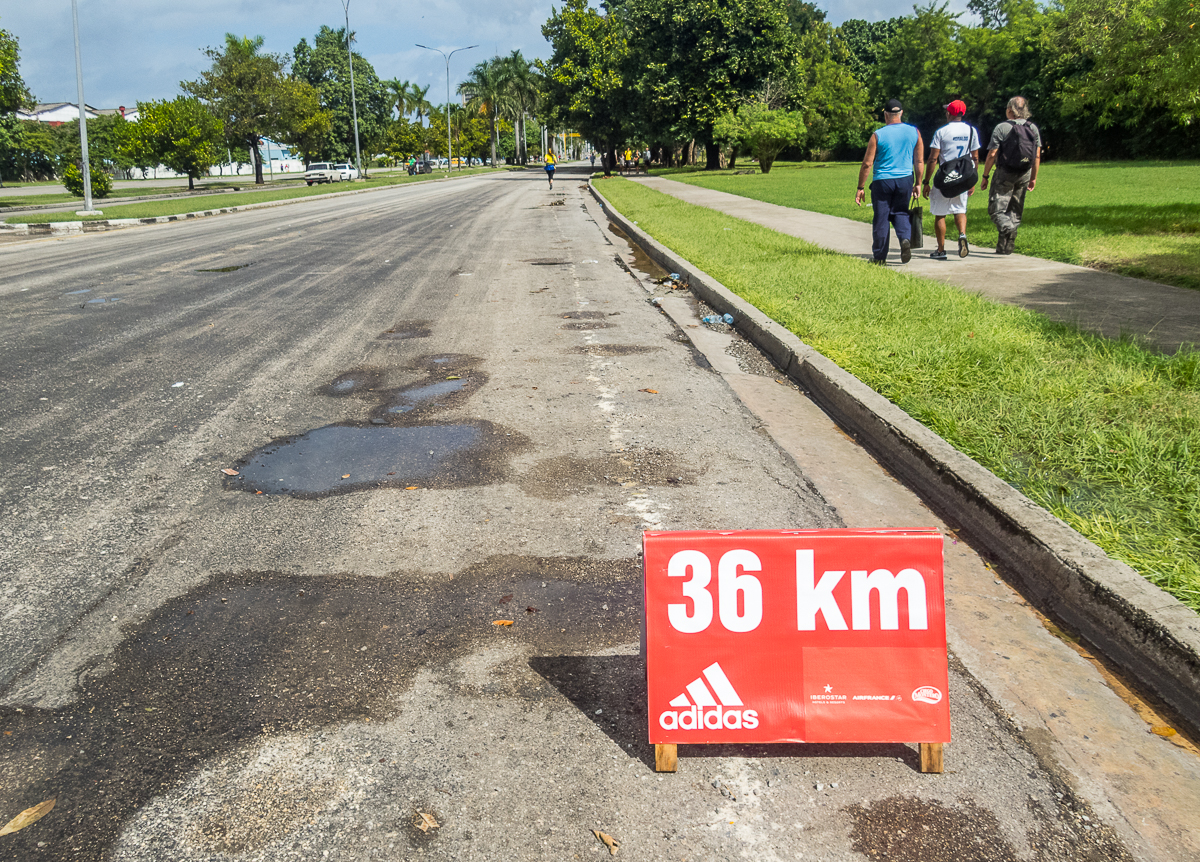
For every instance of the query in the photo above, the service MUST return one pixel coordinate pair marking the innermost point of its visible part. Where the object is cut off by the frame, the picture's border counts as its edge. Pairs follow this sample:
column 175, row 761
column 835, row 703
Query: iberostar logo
column 708, row 705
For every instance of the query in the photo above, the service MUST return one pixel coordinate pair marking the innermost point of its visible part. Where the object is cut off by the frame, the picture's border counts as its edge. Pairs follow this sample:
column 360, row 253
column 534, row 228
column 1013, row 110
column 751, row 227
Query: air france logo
column 714, row 705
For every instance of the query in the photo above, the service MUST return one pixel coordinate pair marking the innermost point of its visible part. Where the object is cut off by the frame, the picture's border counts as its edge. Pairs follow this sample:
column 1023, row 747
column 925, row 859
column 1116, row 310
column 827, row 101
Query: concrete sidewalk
column 1111, row 305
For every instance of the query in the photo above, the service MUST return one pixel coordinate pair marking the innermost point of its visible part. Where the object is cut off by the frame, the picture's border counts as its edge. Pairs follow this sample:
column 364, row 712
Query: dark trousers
column 890, row 199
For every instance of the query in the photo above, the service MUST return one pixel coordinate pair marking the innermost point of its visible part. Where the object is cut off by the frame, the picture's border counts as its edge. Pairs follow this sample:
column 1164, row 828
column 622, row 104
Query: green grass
column 1102, row 433
column 63, row 197
column 1135, row 218
column 178, row 206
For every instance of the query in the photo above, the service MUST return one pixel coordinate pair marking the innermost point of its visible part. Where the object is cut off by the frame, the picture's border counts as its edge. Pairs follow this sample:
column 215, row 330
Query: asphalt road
column 439, row 391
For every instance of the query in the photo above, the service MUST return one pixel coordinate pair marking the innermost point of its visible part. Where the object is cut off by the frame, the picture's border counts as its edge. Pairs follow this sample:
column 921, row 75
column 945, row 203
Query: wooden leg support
column 666, row 757
column 931, row 757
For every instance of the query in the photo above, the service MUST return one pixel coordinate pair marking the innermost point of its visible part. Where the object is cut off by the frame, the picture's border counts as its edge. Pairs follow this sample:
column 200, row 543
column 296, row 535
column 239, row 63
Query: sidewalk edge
column 1152, row 635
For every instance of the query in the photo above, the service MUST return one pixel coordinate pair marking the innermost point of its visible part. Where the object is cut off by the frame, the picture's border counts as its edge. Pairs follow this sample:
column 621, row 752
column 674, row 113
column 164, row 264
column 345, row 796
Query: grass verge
column 1135, row 218
column 178, row 206
column 1102, row 433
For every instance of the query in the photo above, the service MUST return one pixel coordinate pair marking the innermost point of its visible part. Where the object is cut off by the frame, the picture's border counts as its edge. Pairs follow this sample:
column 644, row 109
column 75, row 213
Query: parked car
column 322, row 172
column 349, row 172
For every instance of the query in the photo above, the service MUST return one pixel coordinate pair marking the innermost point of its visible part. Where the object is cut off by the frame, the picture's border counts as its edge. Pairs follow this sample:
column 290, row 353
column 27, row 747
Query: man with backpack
column 954, row 152
column 1016, row 152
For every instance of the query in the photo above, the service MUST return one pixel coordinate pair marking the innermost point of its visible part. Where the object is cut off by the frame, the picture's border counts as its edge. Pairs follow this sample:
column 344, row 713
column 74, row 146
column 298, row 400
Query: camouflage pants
column 1006, row 199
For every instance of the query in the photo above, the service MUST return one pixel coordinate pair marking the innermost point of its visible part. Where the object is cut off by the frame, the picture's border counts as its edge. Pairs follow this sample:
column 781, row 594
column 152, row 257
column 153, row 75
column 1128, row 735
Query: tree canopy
column 252, row 95
column 182, row 134
column 325, row 67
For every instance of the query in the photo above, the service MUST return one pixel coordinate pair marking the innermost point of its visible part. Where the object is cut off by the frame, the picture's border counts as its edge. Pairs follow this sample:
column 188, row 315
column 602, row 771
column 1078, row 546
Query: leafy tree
column 760, row 131
column 252, row 96
column 587, row 78
column 13, row 95
column 803, row 16
column 484, row 89
column 832, row 102
column 404, row 139
column 864, row 40
column 698, row 59
column 418, row 103
column 181, row 134
column 325, row 66
column 1140, row 57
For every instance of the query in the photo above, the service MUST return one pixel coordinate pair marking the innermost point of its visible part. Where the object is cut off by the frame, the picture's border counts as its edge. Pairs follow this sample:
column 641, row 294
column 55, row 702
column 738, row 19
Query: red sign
column 796, row 636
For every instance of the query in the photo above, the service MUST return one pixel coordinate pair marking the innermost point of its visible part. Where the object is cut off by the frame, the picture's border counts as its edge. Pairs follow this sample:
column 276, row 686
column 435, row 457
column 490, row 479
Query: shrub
column 72, row 179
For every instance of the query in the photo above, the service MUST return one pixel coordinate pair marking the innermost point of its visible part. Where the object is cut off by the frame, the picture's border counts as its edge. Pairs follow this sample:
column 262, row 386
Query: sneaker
column 905, row 251
column 940, row 254
column 963, row 249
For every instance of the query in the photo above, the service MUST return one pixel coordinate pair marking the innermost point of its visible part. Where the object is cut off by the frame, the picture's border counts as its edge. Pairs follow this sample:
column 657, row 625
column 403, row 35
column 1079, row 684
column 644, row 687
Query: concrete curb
column 69, row 228
column 1150, row 634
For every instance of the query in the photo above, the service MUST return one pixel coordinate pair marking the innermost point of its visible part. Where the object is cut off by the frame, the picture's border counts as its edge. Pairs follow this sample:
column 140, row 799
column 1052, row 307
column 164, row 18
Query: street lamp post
column 449, row 144
column 353, row 102
column 83, row 142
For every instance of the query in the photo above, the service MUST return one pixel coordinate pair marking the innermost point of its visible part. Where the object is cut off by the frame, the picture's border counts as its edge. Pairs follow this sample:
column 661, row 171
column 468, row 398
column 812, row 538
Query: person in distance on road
column 896, row 153
column 949, row 150
column 550, row 163
column 1015, row 150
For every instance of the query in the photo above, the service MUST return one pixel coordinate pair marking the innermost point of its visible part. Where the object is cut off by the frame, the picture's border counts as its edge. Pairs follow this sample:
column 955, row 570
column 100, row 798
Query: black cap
column 893, row 106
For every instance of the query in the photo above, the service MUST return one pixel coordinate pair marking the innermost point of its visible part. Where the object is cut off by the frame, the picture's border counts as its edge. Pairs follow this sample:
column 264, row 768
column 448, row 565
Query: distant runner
column 550, row 163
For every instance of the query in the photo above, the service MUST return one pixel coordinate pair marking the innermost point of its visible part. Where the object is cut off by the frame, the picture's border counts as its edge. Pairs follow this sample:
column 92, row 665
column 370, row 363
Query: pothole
column 556, row 478
column 341, row 459
column 225, row 268
column 406, row 329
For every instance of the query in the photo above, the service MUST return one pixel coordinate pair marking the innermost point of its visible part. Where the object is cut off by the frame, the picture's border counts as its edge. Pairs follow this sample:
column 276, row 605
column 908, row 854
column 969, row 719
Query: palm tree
column 522, row 87
column 397, row 96
column 484, row 91
column 417, row 103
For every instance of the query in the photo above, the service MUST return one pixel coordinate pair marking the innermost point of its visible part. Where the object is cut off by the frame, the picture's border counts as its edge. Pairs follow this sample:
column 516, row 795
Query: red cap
column 956, row 108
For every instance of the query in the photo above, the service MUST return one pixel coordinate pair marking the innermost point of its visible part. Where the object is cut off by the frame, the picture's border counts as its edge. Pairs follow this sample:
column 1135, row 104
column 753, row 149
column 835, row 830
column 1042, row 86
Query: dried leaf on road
column 504, row 600
column 502, row 622
column 346, row 476
column 651, row 391
column 229, row 471
column 426, row 822
column 611, row 843
column 27, row 817
column 531, row 610
column 1163, row 730
column 412, row 488
column 454, row 377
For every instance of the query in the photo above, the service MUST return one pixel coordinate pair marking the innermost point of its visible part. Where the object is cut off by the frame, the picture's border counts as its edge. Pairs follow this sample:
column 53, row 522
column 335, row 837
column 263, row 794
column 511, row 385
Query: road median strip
column 1151, row 634
column 66, row 228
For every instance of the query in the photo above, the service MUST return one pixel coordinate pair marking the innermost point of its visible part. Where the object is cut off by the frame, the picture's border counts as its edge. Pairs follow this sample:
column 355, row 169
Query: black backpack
column 956, row 176
column 1017, row 152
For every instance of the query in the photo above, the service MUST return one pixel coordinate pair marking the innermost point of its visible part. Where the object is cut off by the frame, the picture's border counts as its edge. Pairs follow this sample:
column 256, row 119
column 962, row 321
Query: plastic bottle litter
column 728, row 318
column 657, row 301
column 710, row 318
column 674, row 276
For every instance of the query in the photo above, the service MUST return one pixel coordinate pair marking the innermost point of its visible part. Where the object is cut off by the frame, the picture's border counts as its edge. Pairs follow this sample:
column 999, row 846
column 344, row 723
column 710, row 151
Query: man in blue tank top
column 897, row 154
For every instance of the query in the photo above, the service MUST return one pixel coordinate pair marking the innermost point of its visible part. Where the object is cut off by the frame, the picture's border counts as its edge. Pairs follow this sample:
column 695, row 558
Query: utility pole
column 353, row 102
column 449, row 144
column 83, row 143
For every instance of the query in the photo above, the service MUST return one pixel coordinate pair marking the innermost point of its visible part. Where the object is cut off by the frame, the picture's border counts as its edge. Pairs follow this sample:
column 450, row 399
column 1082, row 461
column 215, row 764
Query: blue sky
column 141, row 49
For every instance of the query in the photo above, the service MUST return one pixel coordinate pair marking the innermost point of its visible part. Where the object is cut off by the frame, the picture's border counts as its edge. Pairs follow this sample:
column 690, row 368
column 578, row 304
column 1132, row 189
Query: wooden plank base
column 931, row 757
column 666, row 757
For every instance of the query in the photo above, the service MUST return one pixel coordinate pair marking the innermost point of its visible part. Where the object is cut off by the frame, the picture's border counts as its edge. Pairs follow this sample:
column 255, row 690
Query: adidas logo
column 705, row 704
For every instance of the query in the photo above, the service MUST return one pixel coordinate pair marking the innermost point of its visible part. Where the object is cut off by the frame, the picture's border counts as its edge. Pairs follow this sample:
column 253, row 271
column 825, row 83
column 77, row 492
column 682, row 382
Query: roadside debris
column 651, row 391
column 608, row 841
column 504, row 600
column 229, row 471
column 502, row 622
column 425, row 822
column 27, row 817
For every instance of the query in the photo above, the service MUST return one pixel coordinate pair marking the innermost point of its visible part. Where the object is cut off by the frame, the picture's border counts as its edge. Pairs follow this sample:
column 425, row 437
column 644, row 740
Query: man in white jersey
column 951, row 142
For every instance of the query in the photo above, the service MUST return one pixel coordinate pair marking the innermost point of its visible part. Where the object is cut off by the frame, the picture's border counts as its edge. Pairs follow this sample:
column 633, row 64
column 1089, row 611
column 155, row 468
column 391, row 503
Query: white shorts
column 940, row 205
